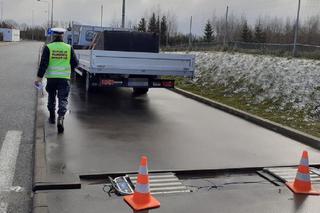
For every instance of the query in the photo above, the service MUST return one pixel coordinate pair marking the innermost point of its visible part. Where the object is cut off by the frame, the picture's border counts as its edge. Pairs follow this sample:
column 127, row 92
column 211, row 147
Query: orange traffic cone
column 141, row 198
column 302, row 183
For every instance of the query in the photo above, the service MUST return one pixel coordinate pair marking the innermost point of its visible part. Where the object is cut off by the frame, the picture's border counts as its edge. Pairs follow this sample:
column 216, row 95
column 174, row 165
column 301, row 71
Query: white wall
column 15, row 35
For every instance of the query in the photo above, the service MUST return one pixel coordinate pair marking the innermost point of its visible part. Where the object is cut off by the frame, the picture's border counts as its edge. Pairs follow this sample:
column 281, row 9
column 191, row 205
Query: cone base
column 310, row 192
column 152, row 204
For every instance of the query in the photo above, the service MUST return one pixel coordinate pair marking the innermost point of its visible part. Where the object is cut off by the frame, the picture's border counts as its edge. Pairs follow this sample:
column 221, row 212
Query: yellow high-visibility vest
column 59, row 61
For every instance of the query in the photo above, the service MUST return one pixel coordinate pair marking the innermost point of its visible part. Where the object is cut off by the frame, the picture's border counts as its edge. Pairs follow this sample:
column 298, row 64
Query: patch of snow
column 293, row 82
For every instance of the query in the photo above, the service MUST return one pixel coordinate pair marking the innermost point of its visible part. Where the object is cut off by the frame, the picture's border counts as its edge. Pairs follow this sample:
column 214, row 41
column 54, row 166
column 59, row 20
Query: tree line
column 164, row 25
column 156, row 25
column 26, row 32
column 265, row 30
column 215, row 29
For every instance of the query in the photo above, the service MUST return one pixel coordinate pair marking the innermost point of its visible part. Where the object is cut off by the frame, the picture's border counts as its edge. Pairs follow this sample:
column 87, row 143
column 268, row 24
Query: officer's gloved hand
column 38, row 83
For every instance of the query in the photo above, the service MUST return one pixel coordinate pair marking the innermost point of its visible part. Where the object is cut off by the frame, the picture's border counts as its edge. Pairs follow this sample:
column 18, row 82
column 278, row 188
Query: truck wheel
column 89, row 87
column 140, row 91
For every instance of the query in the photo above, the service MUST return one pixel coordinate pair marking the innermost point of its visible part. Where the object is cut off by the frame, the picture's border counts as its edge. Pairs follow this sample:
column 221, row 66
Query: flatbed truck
column 124, row 58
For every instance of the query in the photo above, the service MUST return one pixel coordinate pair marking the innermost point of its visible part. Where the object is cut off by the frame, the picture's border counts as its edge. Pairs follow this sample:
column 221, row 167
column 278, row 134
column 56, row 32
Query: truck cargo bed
column 136, row 63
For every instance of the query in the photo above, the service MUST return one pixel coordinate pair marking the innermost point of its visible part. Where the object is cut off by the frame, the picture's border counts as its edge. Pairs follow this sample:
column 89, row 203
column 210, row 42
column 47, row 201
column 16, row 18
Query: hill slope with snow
column 289, row 82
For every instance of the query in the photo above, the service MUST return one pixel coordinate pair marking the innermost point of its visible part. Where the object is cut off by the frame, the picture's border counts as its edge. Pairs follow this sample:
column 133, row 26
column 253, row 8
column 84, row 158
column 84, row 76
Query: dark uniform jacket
column 46, row 57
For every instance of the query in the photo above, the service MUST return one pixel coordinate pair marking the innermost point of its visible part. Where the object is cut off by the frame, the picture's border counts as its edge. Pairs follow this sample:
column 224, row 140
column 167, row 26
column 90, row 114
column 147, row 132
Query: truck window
column 90, row 35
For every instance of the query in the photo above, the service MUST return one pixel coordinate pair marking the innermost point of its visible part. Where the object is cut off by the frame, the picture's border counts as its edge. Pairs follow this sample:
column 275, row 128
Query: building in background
column 9, row 35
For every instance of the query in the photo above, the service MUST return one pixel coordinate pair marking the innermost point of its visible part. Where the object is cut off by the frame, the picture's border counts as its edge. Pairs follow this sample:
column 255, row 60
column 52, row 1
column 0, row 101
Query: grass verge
column 287, row 116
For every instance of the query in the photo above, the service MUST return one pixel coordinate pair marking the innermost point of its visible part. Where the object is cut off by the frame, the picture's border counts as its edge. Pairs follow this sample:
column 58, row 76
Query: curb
column 302, row 137
column 41, row 181
column 40, row 167
column 41, row 178
column 40, row 204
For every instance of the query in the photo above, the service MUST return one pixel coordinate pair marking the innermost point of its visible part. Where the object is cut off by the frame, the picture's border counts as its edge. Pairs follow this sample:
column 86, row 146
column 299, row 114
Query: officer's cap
column 58, row 31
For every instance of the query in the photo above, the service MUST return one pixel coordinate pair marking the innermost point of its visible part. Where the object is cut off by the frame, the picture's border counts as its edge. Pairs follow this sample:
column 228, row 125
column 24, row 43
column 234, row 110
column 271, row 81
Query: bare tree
column 310, row 31
column 172, row 23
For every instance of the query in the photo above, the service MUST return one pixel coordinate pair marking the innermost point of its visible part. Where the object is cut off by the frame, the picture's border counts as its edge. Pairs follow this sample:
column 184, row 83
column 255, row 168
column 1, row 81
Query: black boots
column 52, row 118
column 60, row 125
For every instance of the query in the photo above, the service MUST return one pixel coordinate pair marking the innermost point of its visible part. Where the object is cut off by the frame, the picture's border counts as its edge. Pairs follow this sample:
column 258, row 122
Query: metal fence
column 275, row 47
column 303, row 50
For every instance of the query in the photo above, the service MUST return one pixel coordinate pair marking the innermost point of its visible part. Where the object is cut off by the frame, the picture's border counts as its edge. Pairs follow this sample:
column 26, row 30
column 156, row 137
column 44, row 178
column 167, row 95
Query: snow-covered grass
column 290, row 81
column 287, row 88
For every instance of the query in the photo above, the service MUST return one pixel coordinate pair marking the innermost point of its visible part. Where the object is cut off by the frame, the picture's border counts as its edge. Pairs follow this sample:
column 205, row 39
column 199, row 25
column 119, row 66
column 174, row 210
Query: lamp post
column 123, row 14
column 226, row 26
column 48, row 10
column 190, row 34
column 51, row 14
column 101, row 15
column 32, row 21
column 1, row 3
column 296, row 30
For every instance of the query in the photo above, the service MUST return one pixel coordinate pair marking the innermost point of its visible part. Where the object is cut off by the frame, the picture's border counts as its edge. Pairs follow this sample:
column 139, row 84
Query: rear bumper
column 135, row 83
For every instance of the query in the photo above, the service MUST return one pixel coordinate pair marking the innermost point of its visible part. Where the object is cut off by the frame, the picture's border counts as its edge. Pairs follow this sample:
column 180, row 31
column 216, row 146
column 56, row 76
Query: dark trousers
column 61, row 88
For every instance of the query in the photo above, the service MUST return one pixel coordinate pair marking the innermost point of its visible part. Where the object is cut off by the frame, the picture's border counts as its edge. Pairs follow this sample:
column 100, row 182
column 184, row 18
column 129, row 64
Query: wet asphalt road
column 107, row 132
column 17, row 112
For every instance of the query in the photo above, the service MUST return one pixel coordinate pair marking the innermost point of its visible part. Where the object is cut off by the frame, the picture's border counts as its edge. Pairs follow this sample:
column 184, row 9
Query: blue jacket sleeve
column 74, row 61
column 44, row 62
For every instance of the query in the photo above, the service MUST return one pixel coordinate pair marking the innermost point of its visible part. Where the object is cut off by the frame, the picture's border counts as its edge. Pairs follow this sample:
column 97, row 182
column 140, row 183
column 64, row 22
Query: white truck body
column 136, row 63
column 111, row 57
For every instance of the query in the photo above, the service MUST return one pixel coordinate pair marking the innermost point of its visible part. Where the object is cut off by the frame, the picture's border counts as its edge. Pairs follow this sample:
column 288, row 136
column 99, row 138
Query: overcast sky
column 88, row 11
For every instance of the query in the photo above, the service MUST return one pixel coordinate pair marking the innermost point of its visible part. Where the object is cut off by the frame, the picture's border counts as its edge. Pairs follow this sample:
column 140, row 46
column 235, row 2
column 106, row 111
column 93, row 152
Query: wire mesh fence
column 303, row 50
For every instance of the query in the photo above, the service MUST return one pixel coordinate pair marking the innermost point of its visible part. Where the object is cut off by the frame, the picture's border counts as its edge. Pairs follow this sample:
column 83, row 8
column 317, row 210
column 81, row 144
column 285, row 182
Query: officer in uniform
column 57, row 61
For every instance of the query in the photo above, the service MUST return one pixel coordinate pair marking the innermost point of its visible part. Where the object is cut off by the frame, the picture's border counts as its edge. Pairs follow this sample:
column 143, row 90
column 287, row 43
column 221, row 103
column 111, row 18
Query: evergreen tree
column 260, row 36
column 5, row 24
column 208, row 32
column 142, row 27
column 152, row 26
column 246, row 34
column 158, row 25
column 164, row 30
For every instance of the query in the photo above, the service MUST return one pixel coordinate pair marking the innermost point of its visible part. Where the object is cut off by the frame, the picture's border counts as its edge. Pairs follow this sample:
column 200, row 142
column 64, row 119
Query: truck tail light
column 107, row 82
column 168, row 84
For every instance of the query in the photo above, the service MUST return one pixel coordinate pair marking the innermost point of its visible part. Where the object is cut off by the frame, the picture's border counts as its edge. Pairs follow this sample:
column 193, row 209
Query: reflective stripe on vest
column 59, row 62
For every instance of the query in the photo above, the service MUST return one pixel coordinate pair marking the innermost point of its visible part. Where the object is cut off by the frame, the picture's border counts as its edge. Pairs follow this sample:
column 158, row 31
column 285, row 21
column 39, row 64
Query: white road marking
column 8, row 158
column 12, row 189
column 3, row 207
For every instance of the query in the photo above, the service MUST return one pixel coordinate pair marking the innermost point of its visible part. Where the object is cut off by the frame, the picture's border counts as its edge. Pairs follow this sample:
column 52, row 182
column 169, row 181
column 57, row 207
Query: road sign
column 49, row 32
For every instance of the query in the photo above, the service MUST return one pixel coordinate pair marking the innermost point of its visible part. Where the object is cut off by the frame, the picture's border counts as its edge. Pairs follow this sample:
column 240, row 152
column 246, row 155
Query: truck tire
column 140, row 91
